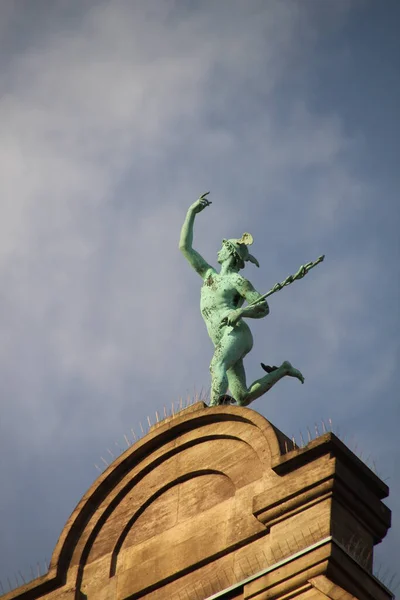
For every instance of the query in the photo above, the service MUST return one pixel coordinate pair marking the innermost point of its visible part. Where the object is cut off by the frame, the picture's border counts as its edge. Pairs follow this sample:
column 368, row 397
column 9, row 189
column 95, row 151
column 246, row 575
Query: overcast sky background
column 114, row 118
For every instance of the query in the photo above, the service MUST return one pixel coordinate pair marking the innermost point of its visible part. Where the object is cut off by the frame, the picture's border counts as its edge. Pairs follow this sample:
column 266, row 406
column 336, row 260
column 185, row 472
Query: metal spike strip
column 302, row 440
column 386, row 573
column 22, row 577
column 127, row 441
column 309, row 434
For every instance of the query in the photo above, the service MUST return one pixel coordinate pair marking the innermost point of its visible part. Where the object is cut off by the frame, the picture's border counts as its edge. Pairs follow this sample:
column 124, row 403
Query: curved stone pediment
column 178, row 497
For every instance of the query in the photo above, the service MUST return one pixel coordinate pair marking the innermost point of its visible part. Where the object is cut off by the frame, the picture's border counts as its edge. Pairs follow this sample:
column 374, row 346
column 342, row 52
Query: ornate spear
column 303, row 270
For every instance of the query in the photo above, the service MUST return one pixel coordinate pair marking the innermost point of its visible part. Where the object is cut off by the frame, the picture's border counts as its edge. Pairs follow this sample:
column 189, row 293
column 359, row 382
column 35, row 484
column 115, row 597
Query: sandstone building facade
column 217, row 503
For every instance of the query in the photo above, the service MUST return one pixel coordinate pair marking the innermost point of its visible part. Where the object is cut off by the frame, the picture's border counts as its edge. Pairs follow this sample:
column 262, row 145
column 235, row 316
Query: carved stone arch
column 236, row 442
column 188, row 477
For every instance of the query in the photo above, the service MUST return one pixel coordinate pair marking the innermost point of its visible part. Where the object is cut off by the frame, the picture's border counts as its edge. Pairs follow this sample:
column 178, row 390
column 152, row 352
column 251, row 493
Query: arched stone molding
column 196, row 440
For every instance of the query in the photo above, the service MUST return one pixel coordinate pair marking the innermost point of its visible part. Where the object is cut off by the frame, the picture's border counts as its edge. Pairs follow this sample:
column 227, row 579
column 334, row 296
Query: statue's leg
column 233, row 345
column 261, row 386
column 219, row 381
column 237, row 382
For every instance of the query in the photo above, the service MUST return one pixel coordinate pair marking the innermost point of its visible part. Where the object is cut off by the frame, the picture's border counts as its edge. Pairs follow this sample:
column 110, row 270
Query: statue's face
column 223, row 254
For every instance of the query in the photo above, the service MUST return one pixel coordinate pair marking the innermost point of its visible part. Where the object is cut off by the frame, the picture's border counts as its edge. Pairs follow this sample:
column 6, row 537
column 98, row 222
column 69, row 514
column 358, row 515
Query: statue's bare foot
column 291, row 371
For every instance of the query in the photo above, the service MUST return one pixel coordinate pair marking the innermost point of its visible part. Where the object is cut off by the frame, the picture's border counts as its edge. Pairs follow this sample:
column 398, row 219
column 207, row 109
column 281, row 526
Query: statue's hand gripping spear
column 302, row 271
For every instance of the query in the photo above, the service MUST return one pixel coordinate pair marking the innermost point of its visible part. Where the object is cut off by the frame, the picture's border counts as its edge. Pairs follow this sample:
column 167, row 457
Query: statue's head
column 237, row 249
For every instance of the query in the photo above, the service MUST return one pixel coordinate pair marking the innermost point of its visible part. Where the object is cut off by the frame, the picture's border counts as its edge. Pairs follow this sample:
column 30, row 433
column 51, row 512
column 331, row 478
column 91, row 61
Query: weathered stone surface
column 211, row 500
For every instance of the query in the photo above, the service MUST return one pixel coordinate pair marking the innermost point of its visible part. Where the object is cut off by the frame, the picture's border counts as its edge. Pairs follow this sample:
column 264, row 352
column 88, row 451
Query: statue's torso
column 219, row 296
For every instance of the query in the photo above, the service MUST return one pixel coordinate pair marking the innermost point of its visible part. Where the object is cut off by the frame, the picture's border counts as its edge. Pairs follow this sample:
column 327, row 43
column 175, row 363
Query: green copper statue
column 222, row 298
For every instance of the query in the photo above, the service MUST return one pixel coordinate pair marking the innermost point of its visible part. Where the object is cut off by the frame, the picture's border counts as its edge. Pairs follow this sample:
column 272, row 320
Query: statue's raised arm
column 186, row 239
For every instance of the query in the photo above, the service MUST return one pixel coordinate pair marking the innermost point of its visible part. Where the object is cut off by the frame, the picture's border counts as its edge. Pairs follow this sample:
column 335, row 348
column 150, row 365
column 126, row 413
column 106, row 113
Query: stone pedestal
column 217, row 503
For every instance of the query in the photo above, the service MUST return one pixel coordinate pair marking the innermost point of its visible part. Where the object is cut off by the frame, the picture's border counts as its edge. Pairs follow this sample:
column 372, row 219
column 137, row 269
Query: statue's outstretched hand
column 201, row 203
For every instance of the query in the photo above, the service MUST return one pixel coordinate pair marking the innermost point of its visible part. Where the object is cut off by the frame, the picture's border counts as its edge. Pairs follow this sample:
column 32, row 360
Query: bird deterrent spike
column 286, row 448
column 97, row 467
column 330, row 424
column 173, row 408
column 104, row 461
column 294, row 442
column 323, row 426
column 141, row 427
column 1, row 588
column 109, row 451
column 46, row 565
column 9, row 583
column 157, row 417
column 316, row 430
column 38, row 569
column 133, row 435
column 302, row 440
column 165, row 411
column 127, row 441
column 148, row 420
column 180, row 403
column 385, row 574
column 309, row 434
